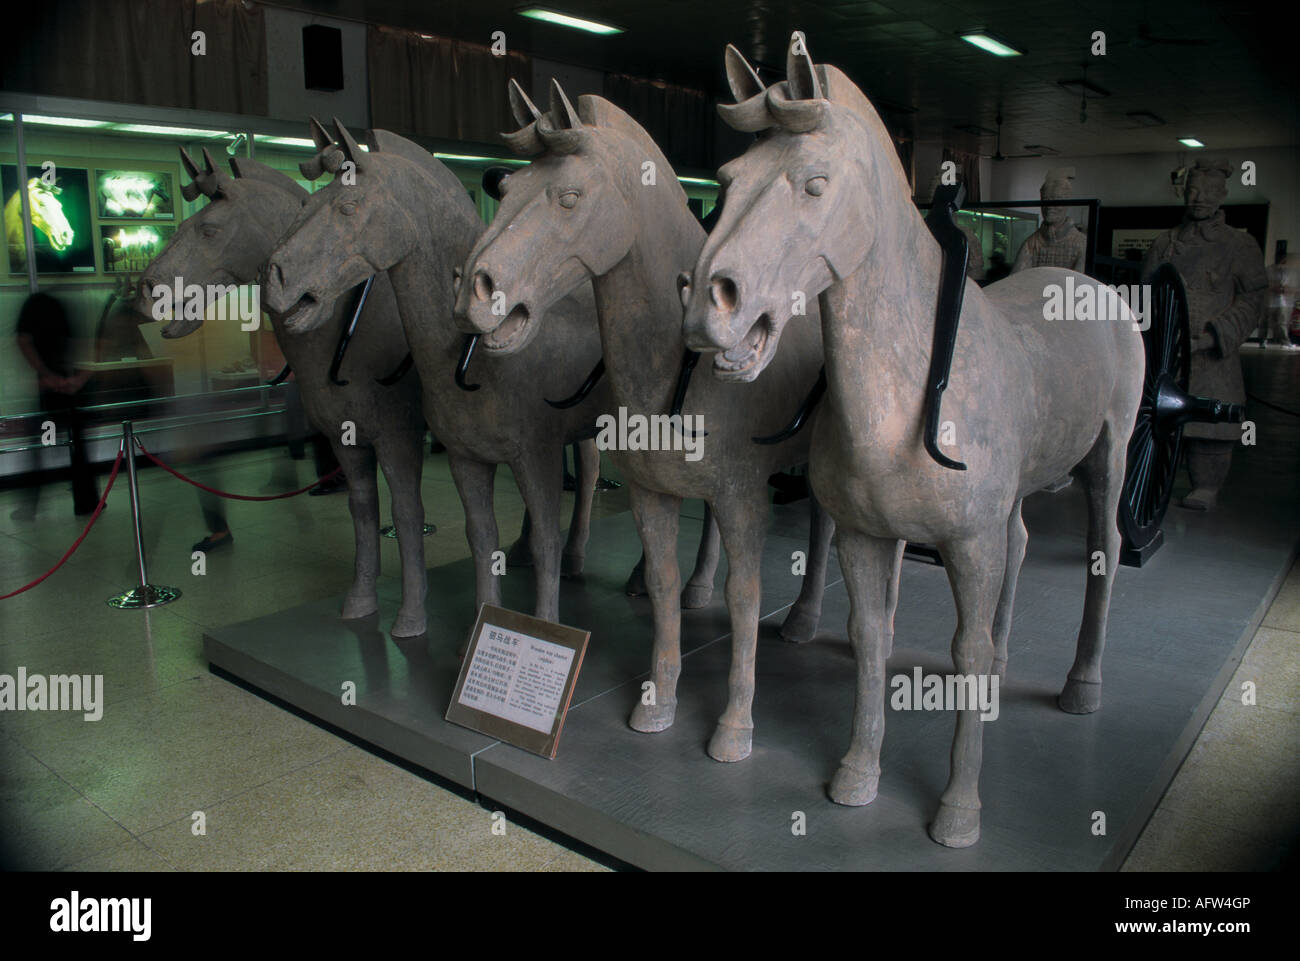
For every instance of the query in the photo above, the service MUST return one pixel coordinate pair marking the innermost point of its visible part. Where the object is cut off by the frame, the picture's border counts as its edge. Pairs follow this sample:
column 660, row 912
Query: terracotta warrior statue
column 1058, row 242
column 1223, row 272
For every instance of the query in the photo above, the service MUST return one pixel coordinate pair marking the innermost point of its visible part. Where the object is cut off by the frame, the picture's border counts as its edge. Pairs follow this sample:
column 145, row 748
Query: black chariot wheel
column 1166, row 406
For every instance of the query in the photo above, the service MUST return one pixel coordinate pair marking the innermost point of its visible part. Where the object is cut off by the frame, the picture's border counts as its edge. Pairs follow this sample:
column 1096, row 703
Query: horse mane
column 596, row 111
column 387, row 142
column 245, row 169
column 844, row 92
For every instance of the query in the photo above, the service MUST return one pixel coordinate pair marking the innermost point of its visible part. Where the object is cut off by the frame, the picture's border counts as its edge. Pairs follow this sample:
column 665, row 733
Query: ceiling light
column 286, row 141
column 1190, row 142
column 698, row 180
column 62, row 121
column 197, row 133
column 567, row 20
column 990, row 44
column 471, row 158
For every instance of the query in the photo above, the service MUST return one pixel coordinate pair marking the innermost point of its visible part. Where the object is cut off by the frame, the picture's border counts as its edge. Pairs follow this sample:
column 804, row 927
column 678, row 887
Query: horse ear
column 208, row 166
column 350, row 149
column 800, row 73
column 522, row 108
column 188, row 163
column 562, row 113
column 319, row 135
column 741, row 77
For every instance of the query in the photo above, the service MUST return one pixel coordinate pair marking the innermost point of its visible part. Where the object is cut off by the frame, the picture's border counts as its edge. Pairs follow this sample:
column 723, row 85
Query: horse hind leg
column 575, row 548
column 1017, row 540
column 1102, row 473
column 699, row 588
column 806, row 613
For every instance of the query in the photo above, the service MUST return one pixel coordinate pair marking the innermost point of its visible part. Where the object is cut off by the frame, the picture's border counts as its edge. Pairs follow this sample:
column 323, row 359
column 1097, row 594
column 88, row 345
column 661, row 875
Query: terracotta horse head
column 801, row 209
column 360, row 224
column 569, row 216
column 227, row 240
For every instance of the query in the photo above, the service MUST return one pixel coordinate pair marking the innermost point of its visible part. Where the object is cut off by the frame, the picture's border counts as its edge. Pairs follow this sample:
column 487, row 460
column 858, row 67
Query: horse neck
column 444, row 234
column 637, row 302
column 878, row 323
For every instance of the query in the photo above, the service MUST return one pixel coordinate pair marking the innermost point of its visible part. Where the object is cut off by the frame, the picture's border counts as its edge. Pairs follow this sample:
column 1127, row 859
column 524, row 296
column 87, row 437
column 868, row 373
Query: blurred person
column 45, row 340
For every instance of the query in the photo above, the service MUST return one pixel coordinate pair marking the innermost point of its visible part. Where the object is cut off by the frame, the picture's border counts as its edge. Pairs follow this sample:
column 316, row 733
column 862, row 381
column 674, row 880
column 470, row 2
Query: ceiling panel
column 1236, row 86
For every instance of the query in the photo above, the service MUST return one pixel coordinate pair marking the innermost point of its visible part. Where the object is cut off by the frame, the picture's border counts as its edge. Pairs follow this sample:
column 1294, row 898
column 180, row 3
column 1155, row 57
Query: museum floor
column 280, row 793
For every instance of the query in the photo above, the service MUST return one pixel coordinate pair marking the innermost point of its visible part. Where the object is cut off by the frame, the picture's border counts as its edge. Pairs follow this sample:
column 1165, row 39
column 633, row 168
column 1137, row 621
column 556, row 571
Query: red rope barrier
column 237, row 497
column 99, row 509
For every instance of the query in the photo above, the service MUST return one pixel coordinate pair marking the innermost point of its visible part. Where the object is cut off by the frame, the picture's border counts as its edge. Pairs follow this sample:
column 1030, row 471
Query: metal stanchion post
column 145, row 594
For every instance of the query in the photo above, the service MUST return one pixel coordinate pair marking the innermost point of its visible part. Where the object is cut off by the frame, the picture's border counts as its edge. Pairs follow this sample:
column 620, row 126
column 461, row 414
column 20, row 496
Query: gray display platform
column 1177, row 630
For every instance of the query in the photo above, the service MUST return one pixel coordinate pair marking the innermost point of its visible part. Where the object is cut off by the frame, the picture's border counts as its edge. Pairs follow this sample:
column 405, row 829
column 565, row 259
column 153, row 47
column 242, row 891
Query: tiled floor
column 277, row 792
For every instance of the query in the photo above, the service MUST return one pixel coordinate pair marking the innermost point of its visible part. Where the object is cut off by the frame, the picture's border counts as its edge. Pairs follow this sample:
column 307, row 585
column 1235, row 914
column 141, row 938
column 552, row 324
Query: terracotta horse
column 400, row 210
column 585, row 209
column 819, row 203
column 227, row 242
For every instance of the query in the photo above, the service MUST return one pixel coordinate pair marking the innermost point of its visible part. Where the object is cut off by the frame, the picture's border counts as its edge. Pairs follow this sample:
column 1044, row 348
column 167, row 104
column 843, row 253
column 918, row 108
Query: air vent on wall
column 1146, row 118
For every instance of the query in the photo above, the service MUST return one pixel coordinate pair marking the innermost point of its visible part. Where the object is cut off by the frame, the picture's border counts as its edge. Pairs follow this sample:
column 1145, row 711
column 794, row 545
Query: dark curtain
column 679, row 119
column 968, row 172
column 439, row 87
column 139, row 51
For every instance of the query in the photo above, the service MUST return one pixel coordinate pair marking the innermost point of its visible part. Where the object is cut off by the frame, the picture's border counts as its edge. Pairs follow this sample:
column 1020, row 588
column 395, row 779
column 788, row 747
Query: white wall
column 1129, row 180
column 287, row 98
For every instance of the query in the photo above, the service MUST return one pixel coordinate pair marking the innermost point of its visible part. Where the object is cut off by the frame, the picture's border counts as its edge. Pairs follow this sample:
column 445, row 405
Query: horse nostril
column 455, row 280
column 723, row 292
column 274, row 273
column 482, row 285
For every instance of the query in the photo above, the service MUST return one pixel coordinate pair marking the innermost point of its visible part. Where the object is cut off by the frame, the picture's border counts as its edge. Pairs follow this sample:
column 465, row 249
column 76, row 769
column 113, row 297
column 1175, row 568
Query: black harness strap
column 952, row 287
column 346, row 337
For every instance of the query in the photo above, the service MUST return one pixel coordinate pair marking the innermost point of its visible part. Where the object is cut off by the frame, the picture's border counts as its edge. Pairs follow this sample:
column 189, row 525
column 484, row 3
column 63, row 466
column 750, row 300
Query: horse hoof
column 1079, row 697
column 519, row 555
column 730, row 744
column 799, row 628
column 853, row 788
column 635, row 586
column 1000, row 669
column 955, row 827
column 652, row 718
column 409, row 625
column 570, row 564
column 360, row 605
column 695, row 596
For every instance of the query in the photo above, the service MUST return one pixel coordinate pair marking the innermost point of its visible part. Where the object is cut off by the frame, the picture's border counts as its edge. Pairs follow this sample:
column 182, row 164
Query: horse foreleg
column 1102, row 473
column 358, row 465
column 1017, row 539
column 699, row 589
column 588, row 471
column 656, row 517
column 403, row 464
column 801, row 623
column 474, row 480
column 976, row 568
column 867, row 563
column 539, row 476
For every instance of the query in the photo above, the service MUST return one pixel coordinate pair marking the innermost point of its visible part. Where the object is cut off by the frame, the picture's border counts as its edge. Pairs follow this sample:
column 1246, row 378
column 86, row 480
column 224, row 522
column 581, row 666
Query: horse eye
column 211, row 230
column 815, row 186
column 569, row 199
column 348, row 208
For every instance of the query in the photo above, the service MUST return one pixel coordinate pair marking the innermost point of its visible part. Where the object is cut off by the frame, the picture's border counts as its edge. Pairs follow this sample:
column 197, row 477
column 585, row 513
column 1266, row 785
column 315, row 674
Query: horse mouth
column 298, row 317
column 511, row 332
column 746, row 360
